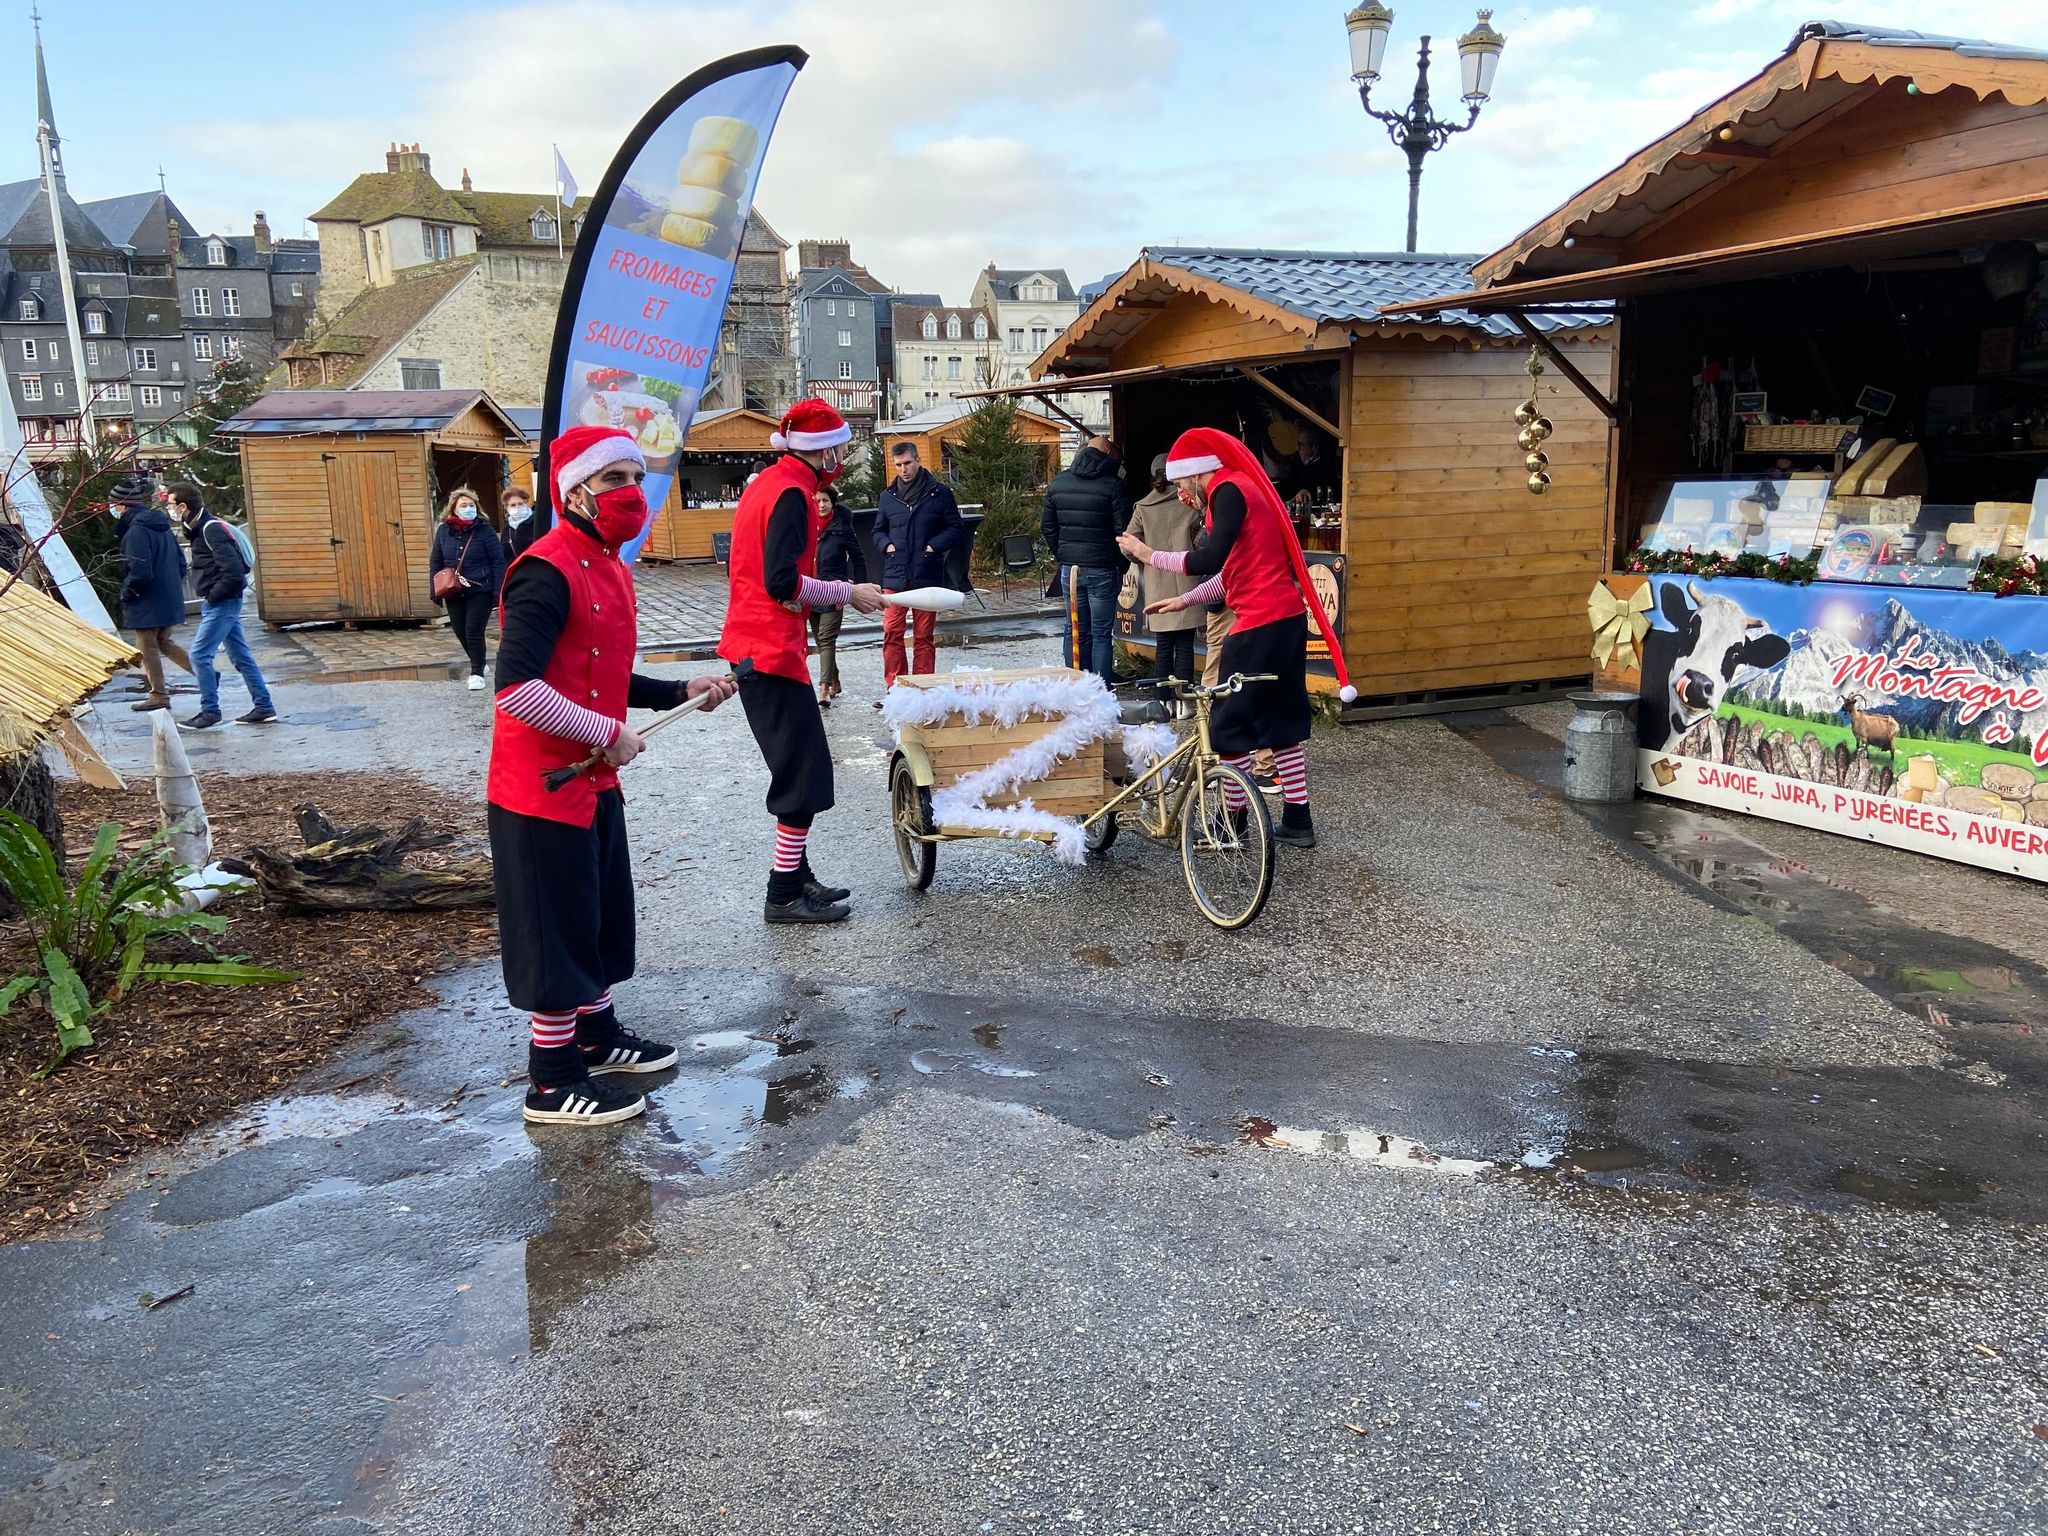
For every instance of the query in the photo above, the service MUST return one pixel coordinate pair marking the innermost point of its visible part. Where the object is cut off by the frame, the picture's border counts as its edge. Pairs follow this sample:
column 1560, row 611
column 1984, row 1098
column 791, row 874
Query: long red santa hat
column 1201, row 450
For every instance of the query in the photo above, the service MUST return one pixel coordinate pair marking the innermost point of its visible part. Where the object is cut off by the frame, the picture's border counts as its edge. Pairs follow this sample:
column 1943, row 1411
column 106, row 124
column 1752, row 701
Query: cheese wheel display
column 707, row 203
column 679, row 229
column 727, row 136
column 721, row 173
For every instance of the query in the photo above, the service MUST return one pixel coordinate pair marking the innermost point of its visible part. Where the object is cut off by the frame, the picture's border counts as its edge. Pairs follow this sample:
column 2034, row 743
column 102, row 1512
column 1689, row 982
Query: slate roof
column 378, row 319
column 812, row 282
column 378, row 195
column 124, row 218
column 1004, row 280
column 354, row 410
column 905, row 318
column 25, row 219
column 1340, row 286
column 241, row 251
column 1894, row 37
column 293, row 256
column 152, row 317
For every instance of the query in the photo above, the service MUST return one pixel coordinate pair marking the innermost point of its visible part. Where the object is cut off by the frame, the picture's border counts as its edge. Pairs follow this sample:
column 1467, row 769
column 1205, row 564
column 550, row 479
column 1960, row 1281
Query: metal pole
column 1417, row 144
column 1415, row 153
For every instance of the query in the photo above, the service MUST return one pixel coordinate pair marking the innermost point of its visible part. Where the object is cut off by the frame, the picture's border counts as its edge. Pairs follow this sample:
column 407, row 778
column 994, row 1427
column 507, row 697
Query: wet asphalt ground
column 1523, row 1169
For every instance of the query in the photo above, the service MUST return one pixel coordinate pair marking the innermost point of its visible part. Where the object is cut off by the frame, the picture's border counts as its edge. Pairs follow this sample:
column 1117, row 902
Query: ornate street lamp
column 1415, row 132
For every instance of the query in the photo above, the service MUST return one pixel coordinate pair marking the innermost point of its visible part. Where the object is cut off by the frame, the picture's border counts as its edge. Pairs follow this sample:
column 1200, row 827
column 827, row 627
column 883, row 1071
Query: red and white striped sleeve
column 546, row 708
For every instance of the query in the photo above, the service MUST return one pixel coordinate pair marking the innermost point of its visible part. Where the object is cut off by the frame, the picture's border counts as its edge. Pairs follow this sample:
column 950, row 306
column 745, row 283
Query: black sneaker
column 805, row 909
column 205, row 720
column 818, row 891
column 1267, row 783
column 587, row 1101
column 1296, row 829
column 262, row 714
column 626, row 1052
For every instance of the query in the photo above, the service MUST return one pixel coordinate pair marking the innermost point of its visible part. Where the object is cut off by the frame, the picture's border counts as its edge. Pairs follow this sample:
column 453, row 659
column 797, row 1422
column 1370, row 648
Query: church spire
column 46, row 115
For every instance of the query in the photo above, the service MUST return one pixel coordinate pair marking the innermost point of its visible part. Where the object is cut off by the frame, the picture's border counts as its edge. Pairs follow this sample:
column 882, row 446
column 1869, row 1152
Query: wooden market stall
column 1830, row 505
column 721, row 450
column 344, row 488
column 1453, row 584
column 936, row 432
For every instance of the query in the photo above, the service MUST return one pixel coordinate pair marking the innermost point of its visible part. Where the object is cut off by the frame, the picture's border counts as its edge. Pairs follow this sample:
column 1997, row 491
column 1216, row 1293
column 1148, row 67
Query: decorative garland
column 1691, row 562
column 2011, row 576
column 1086, row 712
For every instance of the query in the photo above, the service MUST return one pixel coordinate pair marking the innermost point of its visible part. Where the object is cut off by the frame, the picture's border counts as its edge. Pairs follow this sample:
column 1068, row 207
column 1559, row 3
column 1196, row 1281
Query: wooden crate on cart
column 956, row 748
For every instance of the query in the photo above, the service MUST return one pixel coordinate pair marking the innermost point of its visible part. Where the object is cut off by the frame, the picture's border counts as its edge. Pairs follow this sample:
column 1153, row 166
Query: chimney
column 173, row 233
column 391, row 157
column 465, row 180
column 262, row 232
column 407, row 157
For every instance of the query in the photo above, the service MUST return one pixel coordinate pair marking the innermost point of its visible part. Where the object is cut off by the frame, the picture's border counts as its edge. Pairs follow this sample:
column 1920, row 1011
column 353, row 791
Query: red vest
column 592, row 665
column 758, row 628
column 1258, row 574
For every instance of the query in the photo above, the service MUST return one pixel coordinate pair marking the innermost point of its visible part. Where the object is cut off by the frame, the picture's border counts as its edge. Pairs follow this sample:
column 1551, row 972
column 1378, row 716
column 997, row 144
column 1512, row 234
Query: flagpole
column 558, row 200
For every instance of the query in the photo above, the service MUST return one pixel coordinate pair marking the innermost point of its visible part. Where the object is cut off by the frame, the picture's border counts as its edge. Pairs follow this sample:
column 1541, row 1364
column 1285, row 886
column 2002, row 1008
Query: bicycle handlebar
column 1232, row 684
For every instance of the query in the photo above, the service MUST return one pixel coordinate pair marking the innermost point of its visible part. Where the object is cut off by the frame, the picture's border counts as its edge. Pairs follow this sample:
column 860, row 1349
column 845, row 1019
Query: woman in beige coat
column 1164, row 521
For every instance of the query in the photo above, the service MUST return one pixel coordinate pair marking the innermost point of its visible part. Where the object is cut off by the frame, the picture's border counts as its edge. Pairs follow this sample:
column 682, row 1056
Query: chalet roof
column 378, row 319
column 378, row 195
column 506, row 218
column 25, row 219
column 948, row 411
column 909, row 315
column 286, row 411
column 1825, row 67
column 1004, row 280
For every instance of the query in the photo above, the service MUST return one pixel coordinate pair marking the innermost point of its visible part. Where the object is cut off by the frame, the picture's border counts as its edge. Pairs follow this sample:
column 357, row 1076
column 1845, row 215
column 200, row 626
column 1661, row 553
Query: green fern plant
column 92, row 935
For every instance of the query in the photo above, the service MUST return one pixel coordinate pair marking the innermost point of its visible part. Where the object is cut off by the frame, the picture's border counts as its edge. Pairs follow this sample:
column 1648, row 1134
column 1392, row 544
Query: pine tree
column 1000, row 470
column 215, row 465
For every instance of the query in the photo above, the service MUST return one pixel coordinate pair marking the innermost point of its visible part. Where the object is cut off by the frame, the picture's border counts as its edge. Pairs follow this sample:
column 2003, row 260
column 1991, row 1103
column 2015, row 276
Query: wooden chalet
column 1454, row 583
column 344, row 489
column 937, row 430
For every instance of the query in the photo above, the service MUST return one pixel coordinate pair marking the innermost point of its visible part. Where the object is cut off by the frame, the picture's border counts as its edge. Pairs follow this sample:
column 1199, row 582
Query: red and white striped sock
column 552, row 1031
column 1290, row 767
column 789, row 848
column 600, row 1005
column 1233, row 791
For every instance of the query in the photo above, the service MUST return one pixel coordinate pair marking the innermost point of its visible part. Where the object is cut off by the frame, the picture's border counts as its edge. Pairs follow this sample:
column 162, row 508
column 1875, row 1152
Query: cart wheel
column 910, row 811
column 1228, row 854
column 1102, row 835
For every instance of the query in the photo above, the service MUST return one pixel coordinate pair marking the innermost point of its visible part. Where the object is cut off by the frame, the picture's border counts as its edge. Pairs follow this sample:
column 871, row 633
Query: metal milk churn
column 1600, row 748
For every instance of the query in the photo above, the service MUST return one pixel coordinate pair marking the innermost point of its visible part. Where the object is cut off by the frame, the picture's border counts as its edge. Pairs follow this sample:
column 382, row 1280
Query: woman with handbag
column 1164, row 521
column 466, row 571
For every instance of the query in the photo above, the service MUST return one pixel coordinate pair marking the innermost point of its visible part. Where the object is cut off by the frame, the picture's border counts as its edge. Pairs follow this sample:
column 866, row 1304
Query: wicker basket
column 1799, row 437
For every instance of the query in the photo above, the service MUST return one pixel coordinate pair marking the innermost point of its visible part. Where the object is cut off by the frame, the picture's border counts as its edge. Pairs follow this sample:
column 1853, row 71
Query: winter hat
column 1201, row 450
column 810, row 426
column 582, row 452
column 133, row 491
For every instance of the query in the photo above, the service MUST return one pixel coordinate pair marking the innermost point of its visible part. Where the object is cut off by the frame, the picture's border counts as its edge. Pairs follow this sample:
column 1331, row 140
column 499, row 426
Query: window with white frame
column 142, row 359
column 31, row 309
column 1016, row 338
column 152, row 397
column 202, row 348
column 298, row 289
column 177, row 366
column 95, row 322
column 57, row 388
column 846, row 338
column 56, row 351
column 439, row 240
column 117, row 392
column 177, row 397
column 846, row 370
column 931, row 367
column 952, row 327
column 1038, row 334
column 92, row 351
column 31, row 387
column 831, row 306
column 930, row 328
column 202, row 301
column 231, row 301
column 931, row 398
column 952, row 367
column 216, row 254
column 231, row 346
column 981, row 328
column 28, row 349
column 543, row 227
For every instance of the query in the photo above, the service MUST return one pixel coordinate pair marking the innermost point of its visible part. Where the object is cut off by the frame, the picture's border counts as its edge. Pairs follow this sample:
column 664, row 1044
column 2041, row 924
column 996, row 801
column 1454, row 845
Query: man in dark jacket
column 152, row 581
column 1086, row 507
column 220, row 575
column 917, row 522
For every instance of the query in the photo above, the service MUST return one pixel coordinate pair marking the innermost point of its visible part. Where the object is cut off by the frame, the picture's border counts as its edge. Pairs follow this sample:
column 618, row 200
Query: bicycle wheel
column 1101, row 835
column 1228, row 854
column 910, row 812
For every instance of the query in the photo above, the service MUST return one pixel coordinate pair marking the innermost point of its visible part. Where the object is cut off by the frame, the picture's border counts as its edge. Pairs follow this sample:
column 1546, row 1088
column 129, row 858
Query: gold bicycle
column 1189, row 795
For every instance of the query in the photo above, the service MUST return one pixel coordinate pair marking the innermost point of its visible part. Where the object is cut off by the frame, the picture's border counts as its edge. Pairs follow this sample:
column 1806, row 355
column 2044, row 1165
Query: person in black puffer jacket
column 1086, row 507
column 468, row 545
column 840, row 558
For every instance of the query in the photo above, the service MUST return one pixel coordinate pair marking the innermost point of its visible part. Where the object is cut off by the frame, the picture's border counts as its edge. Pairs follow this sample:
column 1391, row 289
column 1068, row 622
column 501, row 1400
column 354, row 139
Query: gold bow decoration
column 1619, row 623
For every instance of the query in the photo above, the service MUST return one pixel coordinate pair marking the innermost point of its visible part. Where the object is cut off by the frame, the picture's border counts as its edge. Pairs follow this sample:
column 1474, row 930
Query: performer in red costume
column 775, row 584
column 1253, row 562
column 565, row 679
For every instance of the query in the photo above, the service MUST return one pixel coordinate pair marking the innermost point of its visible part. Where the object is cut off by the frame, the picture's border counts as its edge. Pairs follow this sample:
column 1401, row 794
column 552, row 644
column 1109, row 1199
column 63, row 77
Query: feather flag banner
column 637, row 334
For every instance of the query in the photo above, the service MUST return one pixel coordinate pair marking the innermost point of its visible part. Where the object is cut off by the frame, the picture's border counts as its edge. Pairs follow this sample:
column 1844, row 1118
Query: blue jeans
column 1091, row 619
column 221, row 623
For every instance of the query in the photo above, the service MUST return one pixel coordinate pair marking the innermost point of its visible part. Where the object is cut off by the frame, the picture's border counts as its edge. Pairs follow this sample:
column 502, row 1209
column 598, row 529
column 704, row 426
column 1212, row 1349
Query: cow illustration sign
column 1914, row 718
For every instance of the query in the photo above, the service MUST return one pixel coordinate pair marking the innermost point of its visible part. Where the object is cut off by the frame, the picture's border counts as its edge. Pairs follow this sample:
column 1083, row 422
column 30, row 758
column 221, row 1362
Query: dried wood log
column 361, row 869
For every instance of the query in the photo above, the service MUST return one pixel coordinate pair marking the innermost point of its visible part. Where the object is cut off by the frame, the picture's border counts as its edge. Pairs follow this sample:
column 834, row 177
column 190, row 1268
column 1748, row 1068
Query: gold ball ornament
column 1526, row 413
column 1532, row 436
column 1538, row 483
column 1536, row 463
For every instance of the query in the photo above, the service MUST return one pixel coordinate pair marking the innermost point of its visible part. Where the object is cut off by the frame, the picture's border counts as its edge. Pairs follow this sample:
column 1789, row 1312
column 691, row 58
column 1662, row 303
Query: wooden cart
column 1188, row 795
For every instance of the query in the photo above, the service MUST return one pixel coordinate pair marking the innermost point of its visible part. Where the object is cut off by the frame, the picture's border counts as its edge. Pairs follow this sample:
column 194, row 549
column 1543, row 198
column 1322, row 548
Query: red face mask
column 621, row 514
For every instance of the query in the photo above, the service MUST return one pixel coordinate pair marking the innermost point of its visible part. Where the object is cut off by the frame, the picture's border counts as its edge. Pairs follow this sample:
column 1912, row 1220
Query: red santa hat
column 1205, row 450
column 810, row 426
column 582, row 452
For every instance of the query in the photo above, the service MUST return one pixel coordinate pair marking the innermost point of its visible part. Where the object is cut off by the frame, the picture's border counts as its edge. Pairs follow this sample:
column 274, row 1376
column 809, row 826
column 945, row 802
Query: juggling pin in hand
column 929, row 599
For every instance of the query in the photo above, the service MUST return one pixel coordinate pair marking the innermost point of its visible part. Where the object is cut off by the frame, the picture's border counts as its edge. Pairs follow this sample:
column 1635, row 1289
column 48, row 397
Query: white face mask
column 465, row 514
column 517, row 515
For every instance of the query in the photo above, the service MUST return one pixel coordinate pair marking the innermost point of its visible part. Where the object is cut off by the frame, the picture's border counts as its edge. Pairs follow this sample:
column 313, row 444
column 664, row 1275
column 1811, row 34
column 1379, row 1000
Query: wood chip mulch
column 172, row 1058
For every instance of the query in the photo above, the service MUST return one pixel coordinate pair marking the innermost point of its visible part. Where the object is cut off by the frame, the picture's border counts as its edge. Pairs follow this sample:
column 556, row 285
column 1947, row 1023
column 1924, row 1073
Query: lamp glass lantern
column 1478, row 57
column 1368, row 25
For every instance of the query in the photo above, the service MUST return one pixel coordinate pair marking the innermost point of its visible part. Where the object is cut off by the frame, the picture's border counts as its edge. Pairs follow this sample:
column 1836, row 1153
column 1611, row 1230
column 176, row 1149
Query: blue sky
column 936, row 134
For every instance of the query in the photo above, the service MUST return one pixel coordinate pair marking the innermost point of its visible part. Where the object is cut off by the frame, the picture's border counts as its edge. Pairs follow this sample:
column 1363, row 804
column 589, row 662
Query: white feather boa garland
column 1086, row 712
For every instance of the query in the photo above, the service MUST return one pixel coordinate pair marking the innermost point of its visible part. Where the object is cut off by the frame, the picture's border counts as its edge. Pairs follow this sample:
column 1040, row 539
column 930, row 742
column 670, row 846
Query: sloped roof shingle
column 378, row 195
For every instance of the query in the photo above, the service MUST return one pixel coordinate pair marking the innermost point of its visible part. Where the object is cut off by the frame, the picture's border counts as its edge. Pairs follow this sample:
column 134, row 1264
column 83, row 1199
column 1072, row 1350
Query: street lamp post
column 1416, row 131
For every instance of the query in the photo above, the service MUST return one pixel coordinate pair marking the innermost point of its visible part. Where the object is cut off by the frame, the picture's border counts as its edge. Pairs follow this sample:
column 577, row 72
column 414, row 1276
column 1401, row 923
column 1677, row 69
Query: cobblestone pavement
column 682, row 608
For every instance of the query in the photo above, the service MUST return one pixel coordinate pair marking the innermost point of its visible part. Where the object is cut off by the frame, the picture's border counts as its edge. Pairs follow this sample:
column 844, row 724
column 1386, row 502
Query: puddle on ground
column 933, row 1063
column 1377, row 1149
column 318, row 1115
column 1918, row 1187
